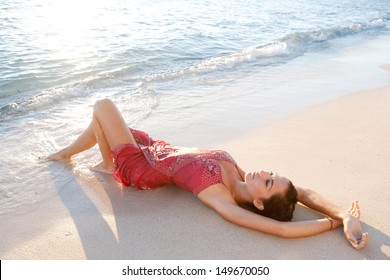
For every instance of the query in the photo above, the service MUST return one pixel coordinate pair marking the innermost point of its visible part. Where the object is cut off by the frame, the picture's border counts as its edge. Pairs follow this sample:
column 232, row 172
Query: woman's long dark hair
column 279, row 207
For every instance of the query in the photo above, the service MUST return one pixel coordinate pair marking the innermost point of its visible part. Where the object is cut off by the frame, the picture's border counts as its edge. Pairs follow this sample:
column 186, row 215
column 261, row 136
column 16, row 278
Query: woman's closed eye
column 269, row 183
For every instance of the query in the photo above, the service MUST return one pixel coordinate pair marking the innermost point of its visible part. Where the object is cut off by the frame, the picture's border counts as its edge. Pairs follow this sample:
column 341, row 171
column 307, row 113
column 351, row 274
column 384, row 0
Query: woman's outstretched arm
column 219, row 198
column 350, row 218
column 319, row 203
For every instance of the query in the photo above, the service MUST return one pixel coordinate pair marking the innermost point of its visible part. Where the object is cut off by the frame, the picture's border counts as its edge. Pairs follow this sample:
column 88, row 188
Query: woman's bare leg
column 111, row 124
column 85, row 141
column 106, row 165
column 110, row 131
column 107, row 128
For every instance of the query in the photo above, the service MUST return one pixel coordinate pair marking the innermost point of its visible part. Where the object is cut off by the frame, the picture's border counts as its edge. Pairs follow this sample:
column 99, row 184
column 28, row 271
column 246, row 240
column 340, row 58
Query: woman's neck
column 234, row 181
column 241, row 195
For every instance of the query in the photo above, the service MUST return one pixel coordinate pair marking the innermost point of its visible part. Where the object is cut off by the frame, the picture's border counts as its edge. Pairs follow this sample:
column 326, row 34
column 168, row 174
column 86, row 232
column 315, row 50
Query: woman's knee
column 110, row 124
column 103, row 105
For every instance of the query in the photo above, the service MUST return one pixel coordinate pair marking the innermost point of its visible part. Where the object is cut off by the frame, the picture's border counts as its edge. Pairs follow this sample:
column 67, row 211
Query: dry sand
column 340, row 149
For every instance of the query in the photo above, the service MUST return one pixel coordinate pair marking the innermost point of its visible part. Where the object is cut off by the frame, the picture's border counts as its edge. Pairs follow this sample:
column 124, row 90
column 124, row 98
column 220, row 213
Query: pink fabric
column 155, row 163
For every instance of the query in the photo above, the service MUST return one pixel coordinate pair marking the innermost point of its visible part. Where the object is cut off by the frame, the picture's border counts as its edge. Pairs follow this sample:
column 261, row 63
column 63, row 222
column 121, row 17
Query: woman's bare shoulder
column 216, row 194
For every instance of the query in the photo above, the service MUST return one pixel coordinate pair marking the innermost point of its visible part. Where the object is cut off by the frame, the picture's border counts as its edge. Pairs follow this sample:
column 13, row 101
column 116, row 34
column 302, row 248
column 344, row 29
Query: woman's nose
column 264, row 173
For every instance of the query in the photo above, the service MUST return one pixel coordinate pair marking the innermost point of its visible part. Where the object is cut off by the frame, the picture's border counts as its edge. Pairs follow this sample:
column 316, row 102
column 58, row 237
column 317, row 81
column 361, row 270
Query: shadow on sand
column 147, row 225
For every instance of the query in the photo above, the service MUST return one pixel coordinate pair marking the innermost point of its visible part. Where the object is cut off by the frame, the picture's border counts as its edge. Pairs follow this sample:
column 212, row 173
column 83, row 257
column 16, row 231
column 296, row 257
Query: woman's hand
column 352, row 228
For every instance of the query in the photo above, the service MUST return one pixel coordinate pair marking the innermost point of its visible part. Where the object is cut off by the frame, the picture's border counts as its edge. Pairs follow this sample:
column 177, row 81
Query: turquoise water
column 53, row 51
column 185, row 70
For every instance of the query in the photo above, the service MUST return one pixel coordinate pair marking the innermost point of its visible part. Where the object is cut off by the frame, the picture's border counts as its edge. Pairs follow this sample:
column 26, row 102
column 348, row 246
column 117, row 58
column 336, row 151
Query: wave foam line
column 287, row 48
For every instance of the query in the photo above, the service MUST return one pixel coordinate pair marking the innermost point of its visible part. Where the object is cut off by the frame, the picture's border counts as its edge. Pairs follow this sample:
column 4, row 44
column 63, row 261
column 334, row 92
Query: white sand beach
column 339, row 148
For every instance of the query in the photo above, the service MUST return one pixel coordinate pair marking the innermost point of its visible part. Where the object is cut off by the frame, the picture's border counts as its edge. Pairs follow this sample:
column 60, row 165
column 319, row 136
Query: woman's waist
column 169, row 159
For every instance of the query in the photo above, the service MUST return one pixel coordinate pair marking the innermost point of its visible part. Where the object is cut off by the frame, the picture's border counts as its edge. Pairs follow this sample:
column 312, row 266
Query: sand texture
column 340, row 148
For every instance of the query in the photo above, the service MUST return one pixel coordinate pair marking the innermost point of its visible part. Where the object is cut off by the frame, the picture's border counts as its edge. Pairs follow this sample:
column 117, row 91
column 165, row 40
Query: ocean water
column 194, row 72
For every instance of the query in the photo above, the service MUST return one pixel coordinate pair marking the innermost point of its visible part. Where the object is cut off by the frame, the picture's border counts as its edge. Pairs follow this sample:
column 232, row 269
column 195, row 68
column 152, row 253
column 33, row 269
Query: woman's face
column 263, row 185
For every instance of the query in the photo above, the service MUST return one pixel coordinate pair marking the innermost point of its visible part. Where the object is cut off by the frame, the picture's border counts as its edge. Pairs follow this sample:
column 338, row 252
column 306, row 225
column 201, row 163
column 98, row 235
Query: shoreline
column 339, row 148
column 231, row 108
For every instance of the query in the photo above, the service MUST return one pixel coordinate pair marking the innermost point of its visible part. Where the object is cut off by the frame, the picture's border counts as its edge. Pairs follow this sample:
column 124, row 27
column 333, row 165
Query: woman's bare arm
column 218, row 198
column 319, row 203
column 350, row 218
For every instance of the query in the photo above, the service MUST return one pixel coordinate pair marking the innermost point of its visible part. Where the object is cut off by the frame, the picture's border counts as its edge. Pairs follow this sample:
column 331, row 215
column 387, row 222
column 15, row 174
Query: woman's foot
column 58, row 156
column 103, row 168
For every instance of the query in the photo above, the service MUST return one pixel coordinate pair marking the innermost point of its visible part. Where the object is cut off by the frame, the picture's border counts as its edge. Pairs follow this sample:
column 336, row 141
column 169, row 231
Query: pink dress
column 154, row 163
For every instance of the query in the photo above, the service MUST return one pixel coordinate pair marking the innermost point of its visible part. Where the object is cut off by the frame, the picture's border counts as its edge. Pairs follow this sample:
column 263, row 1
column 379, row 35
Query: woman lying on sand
column 213, row 176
